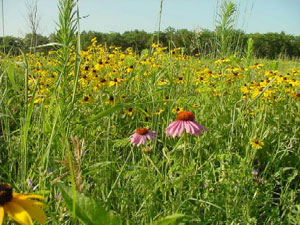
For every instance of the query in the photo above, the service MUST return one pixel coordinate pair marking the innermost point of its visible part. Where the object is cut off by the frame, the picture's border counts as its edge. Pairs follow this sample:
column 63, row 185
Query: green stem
column 184, row 151
column 183, row 164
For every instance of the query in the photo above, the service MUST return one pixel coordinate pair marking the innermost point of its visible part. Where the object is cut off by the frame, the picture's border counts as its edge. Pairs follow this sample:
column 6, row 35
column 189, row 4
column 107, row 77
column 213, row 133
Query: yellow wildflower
column 257, row 144
column 20, row 207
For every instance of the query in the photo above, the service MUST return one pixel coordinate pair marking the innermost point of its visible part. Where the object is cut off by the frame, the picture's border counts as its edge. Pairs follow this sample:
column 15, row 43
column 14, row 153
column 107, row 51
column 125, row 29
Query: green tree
column 12, row 45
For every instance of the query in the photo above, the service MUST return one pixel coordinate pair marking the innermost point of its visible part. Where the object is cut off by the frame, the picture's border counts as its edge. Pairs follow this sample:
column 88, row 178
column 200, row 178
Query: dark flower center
column 5, row 193
column 185, row 116
column 142, row 131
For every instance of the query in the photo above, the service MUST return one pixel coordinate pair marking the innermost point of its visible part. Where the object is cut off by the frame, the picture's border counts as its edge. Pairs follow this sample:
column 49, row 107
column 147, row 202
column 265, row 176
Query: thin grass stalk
column 183, row 162
column 27, row 117
column 72, row 177
column 159, row 22
column 3, row 33
column 118, row 177
column 26, row 82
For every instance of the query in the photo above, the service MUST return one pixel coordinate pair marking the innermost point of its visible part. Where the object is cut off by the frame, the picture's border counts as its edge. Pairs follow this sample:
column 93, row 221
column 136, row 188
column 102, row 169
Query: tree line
column 201, row 42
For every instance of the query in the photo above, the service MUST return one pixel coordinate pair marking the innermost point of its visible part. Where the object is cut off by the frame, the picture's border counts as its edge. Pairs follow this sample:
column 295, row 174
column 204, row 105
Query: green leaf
column 168, row 220
column 11, row 77
column 121, row 142
column 88, row 211
column 98, row 116
column 106, row 112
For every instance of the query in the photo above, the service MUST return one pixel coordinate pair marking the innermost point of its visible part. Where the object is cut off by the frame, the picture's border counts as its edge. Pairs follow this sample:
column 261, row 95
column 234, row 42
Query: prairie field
column 69, row 118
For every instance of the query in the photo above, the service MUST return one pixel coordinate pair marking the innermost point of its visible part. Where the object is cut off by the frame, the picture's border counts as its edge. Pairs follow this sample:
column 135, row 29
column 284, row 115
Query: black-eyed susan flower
column 177, row 110
column 129, row 111
column 257, row 144
column 110, row 100
column 123, row 98
column 163, row 82
column 256, row 66
column 166, row 98
column 115, row 82
column 296, row 96
column 20, row 207
column 179, row 80
column 158, row 112
column 222, row 60
column 201, row 80
column 87, row 99
column 129, row 69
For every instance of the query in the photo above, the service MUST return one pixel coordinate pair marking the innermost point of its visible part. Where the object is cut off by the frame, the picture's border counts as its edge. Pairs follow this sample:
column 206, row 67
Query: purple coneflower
column 141, row 135
column 185, row 121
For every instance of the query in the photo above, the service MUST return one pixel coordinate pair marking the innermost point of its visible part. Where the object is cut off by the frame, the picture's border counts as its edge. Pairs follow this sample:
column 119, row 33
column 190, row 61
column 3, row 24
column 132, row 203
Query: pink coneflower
column 141, row 135
column 185, row 121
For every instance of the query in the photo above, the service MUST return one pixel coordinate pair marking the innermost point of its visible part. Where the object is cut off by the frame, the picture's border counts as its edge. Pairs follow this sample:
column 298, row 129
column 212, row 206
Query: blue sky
column 122, row 15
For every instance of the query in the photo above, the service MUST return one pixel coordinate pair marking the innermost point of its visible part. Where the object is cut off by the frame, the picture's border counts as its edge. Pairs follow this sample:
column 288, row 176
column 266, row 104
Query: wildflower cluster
column 184, row 122
column 106, row 72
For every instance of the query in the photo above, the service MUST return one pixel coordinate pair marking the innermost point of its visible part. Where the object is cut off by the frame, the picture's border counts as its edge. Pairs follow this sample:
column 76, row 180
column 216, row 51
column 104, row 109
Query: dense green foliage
column 269, row 45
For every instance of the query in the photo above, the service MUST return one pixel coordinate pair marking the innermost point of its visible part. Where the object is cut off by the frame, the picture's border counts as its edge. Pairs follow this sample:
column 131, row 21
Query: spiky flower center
column 5, row 193
column 185, row 116
column 142, row 131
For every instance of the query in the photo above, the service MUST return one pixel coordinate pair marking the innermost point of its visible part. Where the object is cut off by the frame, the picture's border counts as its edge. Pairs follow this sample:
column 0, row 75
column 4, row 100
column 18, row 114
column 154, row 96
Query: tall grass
column 224, row 27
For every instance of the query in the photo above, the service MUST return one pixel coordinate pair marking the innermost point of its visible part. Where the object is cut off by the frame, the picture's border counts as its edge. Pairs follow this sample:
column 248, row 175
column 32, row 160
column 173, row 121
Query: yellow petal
column 1, row 215
column 28, row 196
column 33, row 208
column 21, row 198
column 17, row 213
